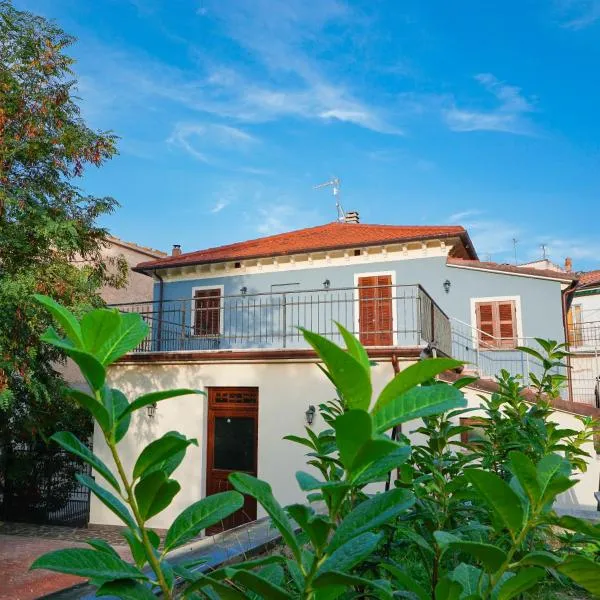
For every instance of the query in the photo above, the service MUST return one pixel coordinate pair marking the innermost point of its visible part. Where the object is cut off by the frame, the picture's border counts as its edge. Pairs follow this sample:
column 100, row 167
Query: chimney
column 568, row 264
column 176, row 250
column 352, row 217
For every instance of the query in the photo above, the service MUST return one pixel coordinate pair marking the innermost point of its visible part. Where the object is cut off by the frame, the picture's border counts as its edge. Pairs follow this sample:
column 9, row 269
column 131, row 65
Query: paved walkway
column 21, row 544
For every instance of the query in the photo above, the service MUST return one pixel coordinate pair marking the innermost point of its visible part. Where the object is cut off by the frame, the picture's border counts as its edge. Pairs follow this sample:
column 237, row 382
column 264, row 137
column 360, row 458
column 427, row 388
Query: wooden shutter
column 574, row 324
column 497, row 324
column 485, row 323
column 207, row 312
column 375, row 318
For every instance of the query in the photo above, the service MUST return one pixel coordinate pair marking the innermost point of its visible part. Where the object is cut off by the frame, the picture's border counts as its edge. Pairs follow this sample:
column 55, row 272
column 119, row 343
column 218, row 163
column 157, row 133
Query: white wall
column 285, row 391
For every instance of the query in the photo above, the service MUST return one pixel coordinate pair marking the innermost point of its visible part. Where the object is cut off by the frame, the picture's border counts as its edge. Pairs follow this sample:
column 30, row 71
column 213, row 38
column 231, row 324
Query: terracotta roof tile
column 514, row 269
column 323, row 237
column 589, row 279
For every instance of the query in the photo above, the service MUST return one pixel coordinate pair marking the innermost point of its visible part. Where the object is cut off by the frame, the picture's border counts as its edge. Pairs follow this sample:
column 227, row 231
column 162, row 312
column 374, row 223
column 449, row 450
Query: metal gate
column 39, row 486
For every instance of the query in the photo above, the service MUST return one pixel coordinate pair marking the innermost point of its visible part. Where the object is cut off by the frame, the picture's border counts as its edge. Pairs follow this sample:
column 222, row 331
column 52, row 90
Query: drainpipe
column 161, row 295
column 397, row 429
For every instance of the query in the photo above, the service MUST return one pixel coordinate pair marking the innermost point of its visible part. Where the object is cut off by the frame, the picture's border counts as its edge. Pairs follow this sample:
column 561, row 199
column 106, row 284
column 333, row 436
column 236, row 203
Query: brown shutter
column 375, row 319
column 507, row 325
column 485, row 324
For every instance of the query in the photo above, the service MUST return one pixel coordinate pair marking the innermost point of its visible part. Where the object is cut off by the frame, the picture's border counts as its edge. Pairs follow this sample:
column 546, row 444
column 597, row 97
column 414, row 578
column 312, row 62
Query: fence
column 399, row 315
column 39, row 486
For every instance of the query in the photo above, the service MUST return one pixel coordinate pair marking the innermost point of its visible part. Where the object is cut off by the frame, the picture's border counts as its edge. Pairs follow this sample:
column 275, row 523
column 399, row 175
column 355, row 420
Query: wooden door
column 232, row 440
column 375, row 314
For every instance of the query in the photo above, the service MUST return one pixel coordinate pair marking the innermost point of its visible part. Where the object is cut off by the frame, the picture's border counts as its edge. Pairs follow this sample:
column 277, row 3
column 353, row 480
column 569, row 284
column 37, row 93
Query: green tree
column 49, row 240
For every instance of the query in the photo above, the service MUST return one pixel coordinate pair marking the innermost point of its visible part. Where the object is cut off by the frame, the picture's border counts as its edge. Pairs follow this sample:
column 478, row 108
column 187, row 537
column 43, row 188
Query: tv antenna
column 335, row 184
column 544, row 251
column 515, row 242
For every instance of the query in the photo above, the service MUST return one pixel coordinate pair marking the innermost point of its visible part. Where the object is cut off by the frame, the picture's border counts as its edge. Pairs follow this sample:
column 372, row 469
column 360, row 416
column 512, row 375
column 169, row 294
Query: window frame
column 518, row 321
column 392, row 275
column 221, row 310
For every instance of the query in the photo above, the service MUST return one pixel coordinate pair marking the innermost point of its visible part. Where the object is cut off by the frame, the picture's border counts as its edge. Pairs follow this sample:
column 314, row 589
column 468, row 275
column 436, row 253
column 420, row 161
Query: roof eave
column 464, row 236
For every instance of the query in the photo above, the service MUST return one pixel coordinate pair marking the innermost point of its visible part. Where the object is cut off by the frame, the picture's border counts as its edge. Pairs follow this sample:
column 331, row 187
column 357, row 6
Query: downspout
column 161, row 296
column 396, row 429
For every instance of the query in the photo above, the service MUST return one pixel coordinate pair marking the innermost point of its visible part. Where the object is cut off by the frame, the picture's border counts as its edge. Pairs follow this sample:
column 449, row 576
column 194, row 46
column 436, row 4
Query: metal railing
column 487, row 361
column 380, row 316
column 584, row 335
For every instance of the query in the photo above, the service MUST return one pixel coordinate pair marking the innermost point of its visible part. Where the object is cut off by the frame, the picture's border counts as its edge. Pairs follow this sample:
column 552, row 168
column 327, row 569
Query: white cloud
column 219, row 206
column 578, row 14
column 463, row 215
column 197, row 138
column 508, row 117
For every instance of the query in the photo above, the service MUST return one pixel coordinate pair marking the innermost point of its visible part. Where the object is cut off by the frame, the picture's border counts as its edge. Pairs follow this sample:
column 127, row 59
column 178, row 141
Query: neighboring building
column 138, row 288
column 225, row 320
column 584, row 338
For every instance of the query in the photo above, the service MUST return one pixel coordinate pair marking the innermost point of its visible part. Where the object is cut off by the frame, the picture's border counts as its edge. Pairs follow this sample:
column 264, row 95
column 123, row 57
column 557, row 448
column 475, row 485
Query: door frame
column 357, row 277
column 237, row 409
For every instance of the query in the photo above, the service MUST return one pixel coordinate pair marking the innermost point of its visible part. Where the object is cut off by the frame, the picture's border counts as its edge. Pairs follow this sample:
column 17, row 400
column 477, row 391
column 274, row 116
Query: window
column 476, row 432
column 207, row 312
column 496, row 323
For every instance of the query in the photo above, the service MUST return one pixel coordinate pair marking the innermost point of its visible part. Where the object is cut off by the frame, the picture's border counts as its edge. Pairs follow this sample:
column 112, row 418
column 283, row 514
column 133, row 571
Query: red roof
column 513, row 269
column 333, row 236
column 589, row 279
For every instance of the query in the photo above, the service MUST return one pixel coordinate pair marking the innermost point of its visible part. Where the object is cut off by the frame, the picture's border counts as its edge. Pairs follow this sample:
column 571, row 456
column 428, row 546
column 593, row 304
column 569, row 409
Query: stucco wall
column 541, row 306
column 285, row 392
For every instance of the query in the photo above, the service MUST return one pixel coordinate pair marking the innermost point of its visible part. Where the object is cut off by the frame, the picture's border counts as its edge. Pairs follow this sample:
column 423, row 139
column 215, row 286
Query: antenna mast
column 515, row 242
column 335, row 184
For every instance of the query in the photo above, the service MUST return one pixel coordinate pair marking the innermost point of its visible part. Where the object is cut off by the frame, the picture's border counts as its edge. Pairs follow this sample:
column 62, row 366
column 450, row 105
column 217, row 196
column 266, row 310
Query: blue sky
column 230, row 111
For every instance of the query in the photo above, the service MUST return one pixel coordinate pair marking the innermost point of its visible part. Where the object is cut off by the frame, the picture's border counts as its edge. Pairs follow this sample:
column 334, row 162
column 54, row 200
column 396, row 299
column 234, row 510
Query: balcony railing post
column 284, row 320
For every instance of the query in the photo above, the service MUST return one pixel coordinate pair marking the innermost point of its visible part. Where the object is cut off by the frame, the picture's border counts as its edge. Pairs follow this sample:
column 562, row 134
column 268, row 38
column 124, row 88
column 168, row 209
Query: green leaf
column 62, row 316
column 97, row 327
column 300, row 440
column 446, row 589
column 108, row 499
column 259, row 585
column 525, row 471
column 92, row 405
column 200, row 515
column 91, row 369
column 379, row 469
column 204, row 582
column 353, row 430
column 87, row 563
column 550, row 466
column 336, row 578
column 102, row 546
column 355, row 348
column 154, row 397
column 499, row 497
column 490, row 556
column 69, row 442
column 468, row 577
column 349, row 376
column 261, row 490
column 406, row 581
column 417, row 402
column 371, row 452
column 131, row 331
column 413, row 376
column 351, row 553
column 154, row 493
column 579, row 525
column 370, row 514
column 539, row 558
column 315, row 526
column 521, row 582
column 583, row 571
column 115, row 402
column 125, row 589
column 159, row 451
column 138, row 552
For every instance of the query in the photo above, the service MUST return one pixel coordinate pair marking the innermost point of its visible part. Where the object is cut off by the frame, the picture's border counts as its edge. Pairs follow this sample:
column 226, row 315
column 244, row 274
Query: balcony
column 390, row 316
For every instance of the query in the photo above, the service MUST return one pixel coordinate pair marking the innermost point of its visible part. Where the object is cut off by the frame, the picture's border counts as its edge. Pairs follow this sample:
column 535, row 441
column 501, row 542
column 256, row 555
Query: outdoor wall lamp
column 326, row 284
column 244, row 290
column 310, row 414
column 447, row 285
column 151, row 408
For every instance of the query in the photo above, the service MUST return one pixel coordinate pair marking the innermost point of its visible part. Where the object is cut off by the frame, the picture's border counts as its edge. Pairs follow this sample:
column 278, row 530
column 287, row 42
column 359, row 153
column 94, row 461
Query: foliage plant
column 49, row 238
column 336, row 543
